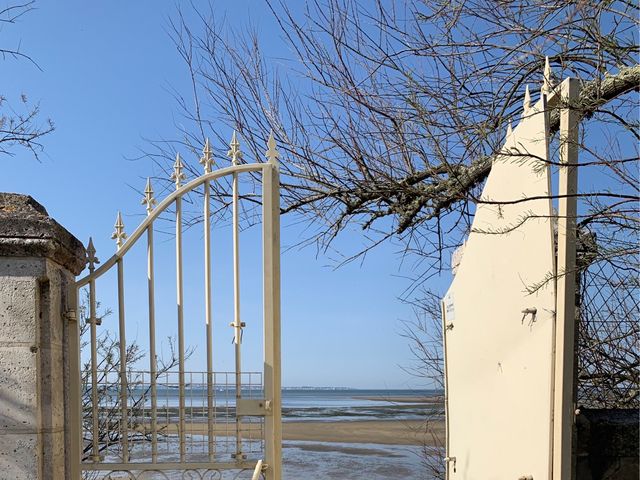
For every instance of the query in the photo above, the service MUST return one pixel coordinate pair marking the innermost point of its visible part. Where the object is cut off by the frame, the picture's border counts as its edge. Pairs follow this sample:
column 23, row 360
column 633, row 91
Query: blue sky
column 107, row 72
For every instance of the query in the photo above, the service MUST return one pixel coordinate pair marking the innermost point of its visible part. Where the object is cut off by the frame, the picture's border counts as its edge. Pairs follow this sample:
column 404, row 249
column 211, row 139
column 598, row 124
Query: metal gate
column 169, row 422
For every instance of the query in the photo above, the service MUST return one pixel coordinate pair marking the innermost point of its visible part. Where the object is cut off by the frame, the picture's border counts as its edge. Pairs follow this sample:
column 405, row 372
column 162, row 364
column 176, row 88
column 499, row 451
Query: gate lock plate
column 253, row 407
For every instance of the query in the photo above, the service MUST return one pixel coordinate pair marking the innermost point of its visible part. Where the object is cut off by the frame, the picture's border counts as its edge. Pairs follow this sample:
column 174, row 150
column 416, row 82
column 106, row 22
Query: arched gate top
column 162, row 206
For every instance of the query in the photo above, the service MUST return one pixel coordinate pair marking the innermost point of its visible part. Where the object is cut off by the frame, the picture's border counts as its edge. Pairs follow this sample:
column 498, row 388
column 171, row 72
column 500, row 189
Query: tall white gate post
column 564, row 388
column 271, row 272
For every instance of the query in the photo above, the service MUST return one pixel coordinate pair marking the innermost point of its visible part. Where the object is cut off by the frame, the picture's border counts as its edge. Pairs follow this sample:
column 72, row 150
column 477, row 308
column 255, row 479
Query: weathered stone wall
column 38, row 262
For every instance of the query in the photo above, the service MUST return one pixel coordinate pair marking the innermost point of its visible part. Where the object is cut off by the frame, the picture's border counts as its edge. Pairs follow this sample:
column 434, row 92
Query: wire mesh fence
column 608, row 336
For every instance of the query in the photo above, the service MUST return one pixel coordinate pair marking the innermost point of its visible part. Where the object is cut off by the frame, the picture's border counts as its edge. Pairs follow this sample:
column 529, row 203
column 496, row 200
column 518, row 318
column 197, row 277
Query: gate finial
column 272, row 153
column 206, row 160
column 91, row 256
column 177, row 176
column 234, row 152
column 148, row 199
column 547, row 78
column 118, row 235
column 526, row 104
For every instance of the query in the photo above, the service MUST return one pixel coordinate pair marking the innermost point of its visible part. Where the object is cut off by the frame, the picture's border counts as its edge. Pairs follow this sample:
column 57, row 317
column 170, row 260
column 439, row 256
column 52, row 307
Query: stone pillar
column 38, row 263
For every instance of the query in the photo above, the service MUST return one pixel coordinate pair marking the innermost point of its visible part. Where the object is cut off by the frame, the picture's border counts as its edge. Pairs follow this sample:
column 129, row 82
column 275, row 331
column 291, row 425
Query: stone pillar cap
column 27, row 230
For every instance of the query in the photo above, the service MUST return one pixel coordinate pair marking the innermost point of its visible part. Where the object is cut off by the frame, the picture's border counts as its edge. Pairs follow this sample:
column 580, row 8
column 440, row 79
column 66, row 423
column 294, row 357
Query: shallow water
column 304, row 460
column 307, row 404
column 351, row 461
column 310, row 460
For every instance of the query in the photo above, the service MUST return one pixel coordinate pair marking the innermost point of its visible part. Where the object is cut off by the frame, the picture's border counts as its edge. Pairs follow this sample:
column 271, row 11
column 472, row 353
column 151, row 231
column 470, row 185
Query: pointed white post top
column 234, row 152
column 148, row 198
column 547, row 78
column 526, row 104
column 118, row 234
column 177, row 176
column 207, row 159
column 508, row 142
column 91, row 255
column 272, row 153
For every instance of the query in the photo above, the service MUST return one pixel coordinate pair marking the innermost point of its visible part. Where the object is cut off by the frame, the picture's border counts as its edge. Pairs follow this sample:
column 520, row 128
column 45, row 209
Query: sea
column 328, row 404
column 310, row 460
column 354, row 461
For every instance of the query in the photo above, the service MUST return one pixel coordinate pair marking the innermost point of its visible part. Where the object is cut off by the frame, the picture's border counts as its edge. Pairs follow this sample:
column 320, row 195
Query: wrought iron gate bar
column 92, row 260
column 235, row 154
column 150, row 202
column 124, row 402
column 122, row 423
column 207, row 161
column 180, row 312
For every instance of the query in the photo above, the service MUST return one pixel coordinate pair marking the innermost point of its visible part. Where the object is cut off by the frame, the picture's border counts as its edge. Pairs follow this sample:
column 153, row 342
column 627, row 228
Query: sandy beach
column 386, row 432
column 405, row 399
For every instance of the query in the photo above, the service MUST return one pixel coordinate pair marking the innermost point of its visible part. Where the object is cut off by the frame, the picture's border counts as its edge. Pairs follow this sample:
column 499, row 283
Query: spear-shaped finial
column 118, row 235
column 177, row 176
column 207, row 159
column 526, row 104
column 547, row 78
column 234, row 152
column 148, row 199
column 91, row 256
column 272, row 153
column 509, row 129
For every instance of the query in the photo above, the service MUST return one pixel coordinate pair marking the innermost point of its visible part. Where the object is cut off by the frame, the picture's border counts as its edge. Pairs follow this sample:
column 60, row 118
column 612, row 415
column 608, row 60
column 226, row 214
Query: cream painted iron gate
column 127, row 427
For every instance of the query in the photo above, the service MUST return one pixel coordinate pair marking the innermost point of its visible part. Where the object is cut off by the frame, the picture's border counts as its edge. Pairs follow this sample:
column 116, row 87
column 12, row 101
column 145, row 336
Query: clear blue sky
column 107, row 72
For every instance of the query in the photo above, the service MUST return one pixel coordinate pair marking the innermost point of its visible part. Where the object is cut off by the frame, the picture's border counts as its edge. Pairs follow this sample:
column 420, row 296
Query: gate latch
column 253, row 407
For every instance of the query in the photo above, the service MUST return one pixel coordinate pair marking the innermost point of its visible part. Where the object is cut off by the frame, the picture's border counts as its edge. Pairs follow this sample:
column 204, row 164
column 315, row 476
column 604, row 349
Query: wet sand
column 416, row 400
column 385, row 432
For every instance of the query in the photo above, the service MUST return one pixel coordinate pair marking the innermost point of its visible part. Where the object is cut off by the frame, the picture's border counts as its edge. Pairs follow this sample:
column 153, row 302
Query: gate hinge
column 71, row 315
column 253, row 407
